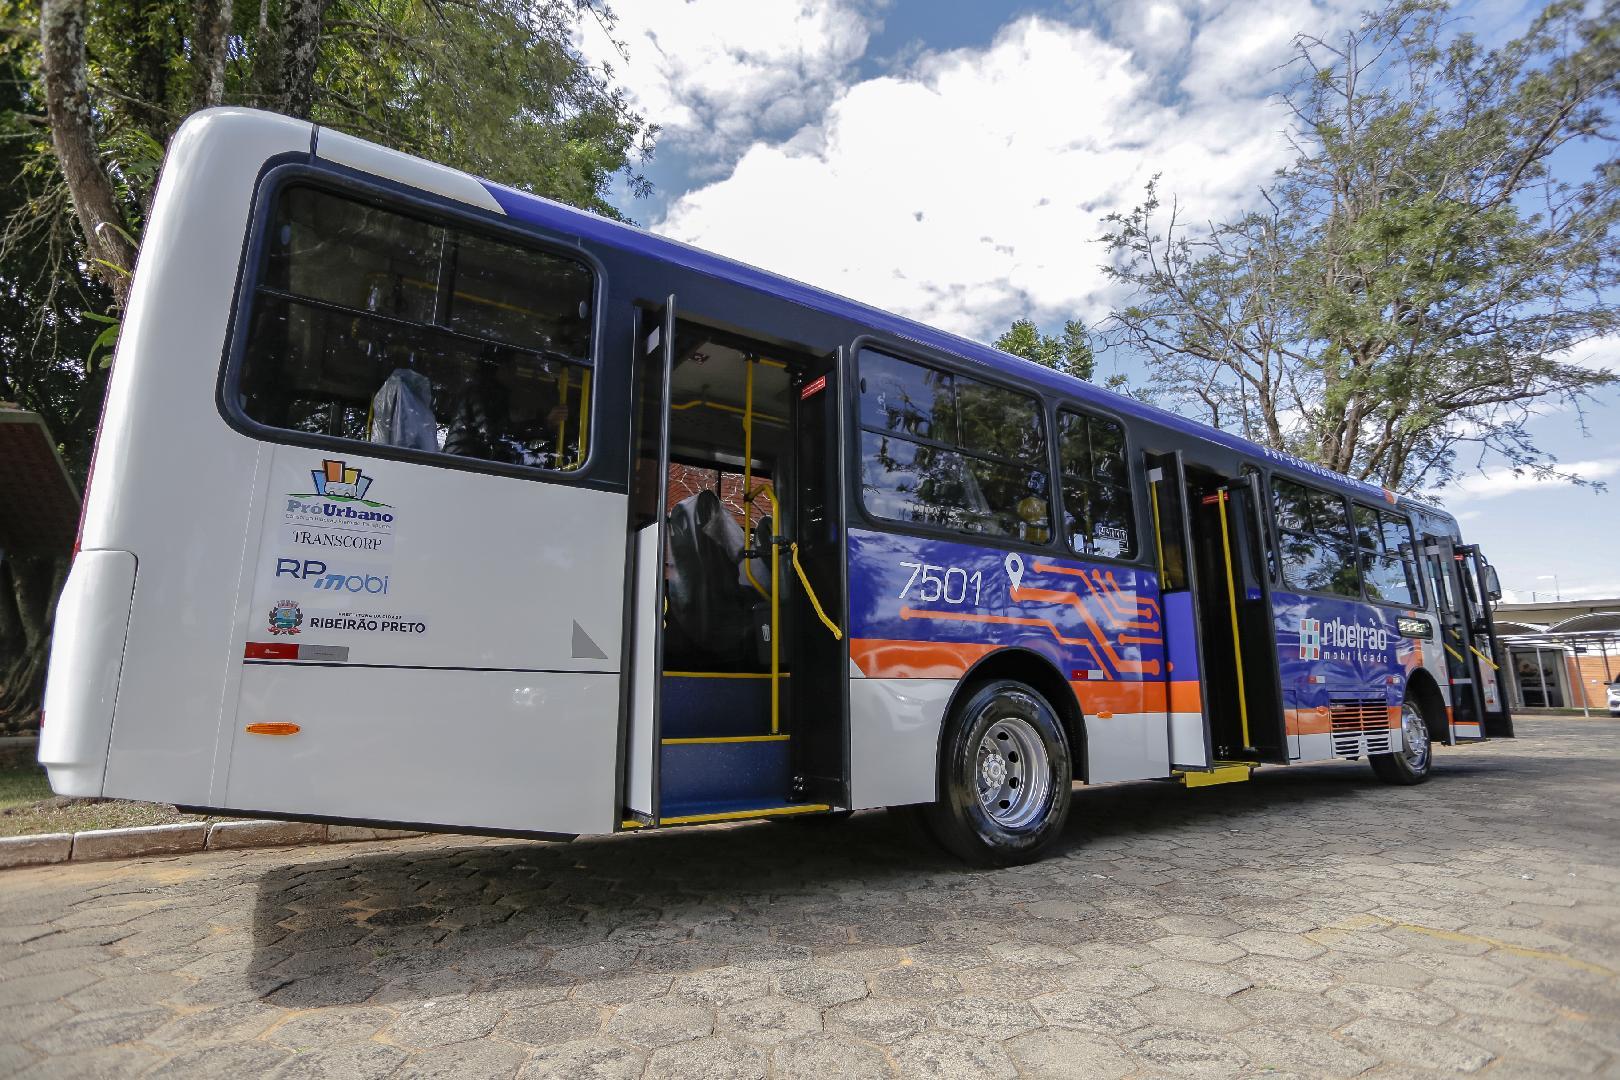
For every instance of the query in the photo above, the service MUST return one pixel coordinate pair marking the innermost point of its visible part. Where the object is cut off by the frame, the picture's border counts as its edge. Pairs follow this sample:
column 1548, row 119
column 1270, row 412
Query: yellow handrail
column 776, row 578
column 1231, row 600
column 810, row 593
column 748, row 482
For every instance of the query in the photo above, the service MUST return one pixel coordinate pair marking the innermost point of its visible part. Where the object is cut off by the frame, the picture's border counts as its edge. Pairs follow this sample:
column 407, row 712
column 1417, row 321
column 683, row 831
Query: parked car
column 1614, row 698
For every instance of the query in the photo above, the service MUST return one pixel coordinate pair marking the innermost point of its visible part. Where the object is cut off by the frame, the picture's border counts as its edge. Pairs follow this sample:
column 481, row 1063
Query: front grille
column 1360, row 724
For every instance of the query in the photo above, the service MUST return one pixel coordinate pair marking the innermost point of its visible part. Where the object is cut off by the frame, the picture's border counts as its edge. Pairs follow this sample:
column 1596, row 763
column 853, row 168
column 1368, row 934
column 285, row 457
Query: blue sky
column 952, row 160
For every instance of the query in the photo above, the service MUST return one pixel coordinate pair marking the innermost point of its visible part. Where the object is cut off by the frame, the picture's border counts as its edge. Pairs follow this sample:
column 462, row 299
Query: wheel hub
column 1014, row 775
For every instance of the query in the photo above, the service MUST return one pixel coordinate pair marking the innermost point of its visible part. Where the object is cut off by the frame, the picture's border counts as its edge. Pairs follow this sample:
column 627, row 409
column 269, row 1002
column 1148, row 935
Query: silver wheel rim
column 1414, row 737
column 1012, row 773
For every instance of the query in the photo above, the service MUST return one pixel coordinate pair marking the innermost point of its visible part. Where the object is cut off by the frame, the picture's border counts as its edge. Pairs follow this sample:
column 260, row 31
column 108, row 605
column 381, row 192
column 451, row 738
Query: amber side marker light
column 272, row 729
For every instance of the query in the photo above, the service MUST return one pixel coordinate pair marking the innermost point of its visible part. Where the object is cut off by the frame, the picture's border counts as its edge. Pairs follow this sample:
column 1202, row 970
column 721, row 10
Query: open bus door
column 1191, row 742
column 1468, row 639
column 819, row 690
column 1469, row 629
column 655, row 363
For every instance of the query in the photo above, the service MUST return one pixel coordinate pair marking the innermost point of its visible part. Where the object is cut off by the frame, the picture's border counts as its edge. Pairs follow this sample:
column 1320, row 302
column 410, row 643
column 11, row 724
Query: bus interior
column 725, row 718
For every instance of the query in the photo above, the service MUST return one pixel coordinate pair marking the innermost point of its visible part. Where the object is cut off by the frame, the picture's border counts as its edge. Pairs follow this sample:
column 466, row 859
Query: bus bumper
column 87, row 654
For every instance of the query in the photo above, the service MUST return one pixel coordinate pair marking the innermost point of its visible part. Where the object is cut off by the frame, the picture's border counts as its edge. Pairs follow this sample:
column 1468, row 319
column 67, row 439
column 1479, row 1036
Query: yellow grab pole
column 776, row 577
column 1231, row 600
column 748, row 482
column 832, row 627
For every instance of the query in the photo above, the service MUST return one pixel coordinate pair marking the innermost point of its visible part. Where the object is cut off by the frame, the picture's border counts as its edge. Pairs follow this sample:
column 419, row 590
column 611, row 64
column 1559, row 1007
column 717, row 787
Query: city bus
column 422, row 501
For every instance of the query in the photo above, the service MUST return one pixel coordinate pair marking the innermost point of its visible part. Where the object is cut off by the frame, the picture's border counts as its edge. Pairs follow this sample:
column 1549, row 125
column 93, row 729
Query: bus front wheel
column 1004, row 778
column 1413, row 762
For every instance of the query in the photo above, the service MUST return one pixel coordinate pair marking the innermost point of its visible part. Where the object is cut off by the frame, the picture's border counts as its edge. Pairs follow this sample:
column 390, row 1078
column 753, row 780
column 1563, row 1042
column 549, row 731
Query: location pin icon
column 1015, row 569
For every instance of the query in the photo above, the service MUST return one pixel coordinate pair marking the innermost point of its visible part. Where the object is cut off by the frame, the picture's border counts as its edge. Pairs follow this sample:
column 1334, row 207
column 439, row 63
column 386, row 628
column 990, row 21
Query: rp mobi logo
column 1310, row 639
column 337, row 480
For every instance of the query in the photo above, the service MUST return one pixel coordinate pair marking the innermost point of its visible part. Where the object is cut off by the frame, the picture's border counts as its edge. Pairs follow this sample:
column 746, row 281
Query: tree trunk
column 208, row 52
column 300, row 50
column 29, row 588
column 73, row 135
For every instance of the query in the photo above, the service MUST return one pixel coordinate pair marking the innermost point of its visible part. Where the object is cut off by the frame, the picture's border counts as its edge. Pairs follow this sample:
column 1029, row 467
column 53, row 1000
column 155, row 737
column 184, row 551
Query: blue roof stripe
column 567, row 219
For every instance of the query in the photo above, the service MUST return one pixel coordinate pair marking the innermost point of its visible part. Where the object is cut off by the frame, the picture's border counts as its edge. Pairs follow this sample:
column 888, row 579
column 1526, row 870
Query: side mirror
column 1493, row 584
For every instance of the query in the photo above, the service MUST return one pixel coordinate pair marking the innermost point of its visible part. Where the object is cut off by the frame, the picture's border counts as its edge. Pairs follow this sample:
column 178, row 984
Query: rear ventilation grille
column 1360, row 724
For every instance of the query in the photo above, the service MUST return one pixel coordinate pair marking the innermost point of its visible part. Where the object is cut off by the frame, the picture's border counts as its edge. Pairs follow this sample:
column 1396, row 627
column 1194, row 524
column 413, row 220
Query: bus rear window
column 382, row 327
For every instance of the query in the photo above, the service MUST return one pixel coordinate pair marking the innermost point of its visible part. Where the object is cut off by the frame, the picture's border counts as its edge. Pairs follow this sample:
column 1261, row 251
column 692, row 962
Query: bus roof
column 559, row 217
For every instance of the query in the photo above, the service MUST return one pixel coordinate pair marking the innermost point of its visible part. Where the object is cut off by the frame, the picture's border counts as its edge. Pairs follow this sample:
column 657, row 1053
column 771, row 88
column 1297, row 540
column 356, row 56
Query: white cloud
column 968, row 188
column 1598, row 354
column 1495, row 483
column 716, row 73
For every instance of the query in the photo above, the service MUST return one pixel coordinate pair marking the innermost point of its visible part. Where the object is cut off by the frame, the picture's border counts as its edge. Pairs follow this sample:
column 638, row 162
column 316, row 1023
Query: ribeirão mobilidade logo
column 1338, row 639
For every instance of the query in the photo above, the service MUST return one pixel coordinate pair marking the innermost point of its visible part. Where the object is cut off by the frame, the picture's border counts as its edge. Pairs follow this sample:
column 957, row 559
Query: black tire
column 969, row 819
column 1413, row 763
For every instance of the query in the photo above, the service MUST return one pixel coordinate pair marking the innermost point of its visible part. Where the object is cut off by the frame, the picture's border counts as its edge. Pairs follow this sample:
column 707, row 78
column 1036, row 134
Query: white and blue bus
column 422, row 501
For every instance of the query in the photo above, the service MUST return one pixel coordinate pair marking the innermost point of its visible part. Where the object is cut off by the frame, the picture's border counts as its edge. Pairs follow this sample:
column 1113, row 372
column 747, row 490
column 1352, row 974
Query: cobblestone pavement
column 1313, row 922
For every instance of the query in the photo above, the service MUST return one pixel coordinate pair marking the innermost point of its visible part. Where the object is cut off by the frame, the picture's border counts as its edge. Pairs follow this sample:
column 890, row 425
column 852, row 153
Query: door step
column 700, row 774
column 699, row 704
column 1223, row 773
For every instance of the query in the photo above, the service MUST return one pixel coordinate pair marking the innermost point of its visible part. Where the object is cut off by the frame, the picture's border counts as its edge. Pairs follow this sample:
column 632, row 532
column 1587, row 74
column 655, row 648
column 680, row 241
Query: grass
column 27, row 807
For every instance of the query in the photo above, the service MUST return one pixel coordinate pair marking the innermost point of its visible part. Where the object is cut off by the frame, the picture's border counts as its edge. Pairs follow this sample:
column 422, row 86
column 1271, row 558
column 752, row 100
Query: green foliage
column 1069, row 353
column 1421, row 274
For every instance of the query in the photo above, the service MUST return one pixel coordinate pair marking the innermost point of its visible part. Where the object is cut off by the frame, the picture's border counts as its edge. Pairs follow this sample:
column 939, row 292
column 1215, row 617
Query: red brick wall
column 1586, row 672
column 687, row 480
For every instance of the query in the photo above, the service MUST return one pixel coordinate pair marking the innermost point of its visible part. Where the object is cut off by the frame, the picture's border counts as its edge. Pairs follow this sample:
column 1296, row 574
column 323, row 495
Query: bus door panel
column 818, row 694
column 1191, row 742
column 1485, row 649
column 1465, row 707
column 649, row 493
column 1240, row 652
column 421, row 641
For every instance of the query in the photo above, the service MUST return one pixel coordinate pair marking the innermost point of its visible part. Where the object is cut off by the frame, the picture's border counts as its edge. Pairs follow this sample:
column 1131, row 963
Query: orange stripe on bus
column 884, row 658
column 272, row 729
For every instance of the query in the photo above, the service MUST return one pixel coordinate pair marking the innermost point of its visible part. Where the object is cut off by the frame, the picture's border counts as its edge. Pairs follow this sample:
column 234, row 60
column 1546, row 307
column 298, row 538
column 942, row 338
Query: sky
column 952, row 161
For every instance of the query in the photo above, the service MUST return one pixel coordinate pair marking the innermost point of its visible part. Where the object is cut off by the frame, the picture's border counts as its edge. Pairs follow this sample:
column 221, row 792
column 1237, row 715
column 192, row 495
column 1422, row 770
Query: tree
column 1420, row 274
column 1070, row 354
column 94, row 90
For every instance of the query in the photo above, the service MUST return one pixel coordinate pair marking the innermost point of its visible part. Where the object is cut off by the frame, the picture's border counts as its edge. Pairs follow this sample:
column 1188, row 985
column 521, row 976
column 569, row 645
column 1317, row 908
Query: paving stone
column 878, row 1021
column 348, row 834
column 1190, row 1011
column 35, row 989
column 1408, row 1044
column 1272, row 943
column 819, row 987
column 1392, row 1003
column 1088, row 1012
column 598, row 1059
column 712, row 1057
column 1056, row 1054
column 945, row 1053
column 88, row 1031
column 1198, row 977
column 236, row 1059
column 1204, row 950
column 1540, row 1044
column 107, row 1063
column 1288, row 1046
column 659, row 1023
column 548, row 1025
column 484, row 1060
column 994, row 1018
column 240, row 1022
column 1482, row 1000
column 322, row 991
column 768, row 1020
column 913, row 983
column 1189, row 1053
column 344, row 1061
column 724, row 986
column 818, row 1057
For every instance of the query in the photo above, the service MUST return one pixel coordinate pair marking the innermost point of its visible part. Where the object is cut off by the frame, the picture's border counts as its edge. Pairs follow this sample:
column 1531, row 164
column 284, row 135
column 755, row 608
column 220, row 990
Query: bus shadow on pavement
column 630, row 914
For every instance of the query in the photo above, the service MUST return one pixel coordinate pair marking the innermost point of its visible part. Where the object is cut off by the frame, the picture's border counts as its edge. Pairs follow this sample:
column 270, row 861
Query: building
column 1562, row 654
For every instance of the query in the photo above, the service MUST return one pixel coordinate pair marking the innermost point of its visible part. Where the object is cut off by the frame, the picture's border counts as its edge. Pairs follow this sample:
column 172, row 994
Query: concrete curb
column 182, row 839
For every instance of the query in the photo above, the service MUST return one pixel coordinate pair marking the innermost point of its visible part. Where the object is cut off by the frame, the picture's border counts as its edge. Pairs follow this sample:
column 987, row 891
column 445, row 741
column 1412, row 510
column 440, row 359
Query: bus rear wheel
column 1413, row 762
column 1005, row 777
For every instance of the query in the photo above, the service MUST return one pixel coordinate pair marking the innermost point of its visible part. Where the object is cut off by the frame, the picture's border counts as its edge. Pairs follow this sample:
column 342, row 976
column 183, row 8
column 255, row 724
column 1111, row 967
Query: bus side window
column 1387, row 573
column 944, row 450
column 1098, row 517
column 376, row 325
column 1315, row 548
